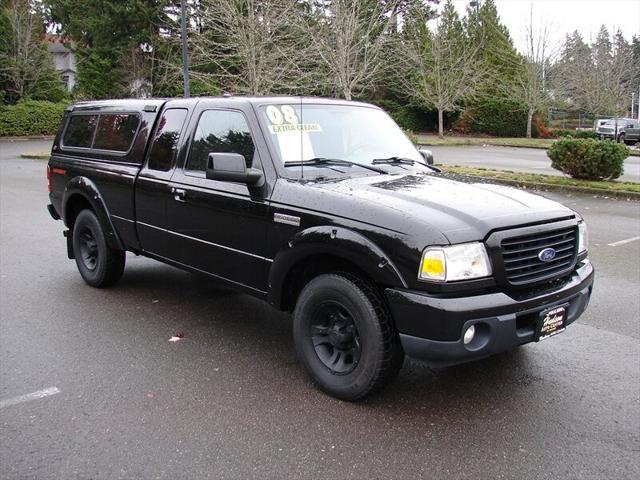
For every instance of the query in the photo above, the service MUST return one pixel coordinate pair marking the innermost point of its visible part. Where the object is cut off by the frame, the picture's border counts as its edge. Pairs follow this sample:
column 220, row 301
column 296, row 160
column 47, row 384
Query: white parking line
column 622, row 242
column 29, row 396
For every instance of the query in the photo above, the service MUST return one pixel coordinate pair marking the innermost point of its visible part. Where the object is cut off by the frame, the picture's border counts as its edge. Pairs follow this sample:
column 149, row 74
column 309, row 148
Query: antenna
column 301, row 142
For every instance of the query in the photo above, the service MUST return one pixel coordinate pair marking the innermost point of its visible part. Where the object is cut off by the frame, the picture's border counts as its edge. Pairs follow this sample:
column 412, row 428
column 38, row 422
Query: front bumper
column 605, row 135
column 431, row 327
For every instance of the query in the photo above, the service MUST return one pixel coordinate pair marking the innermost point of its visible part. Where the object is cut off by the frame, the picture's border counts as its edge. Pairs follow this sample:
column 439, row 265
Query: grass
column 36, row 155
column 543, row 143
column 539, row 180
column 503, row 142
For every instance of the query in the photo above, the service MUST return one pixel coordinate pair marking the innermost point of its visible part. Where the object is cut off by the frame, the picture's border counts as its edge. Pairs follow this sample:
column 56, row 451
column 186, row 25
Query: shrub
column 498, row 117
column 407, row 116
column 588, row 159
column 566, row 132
column 539, row 127
column 31, row 117
column 584, row 134
column 411, row 136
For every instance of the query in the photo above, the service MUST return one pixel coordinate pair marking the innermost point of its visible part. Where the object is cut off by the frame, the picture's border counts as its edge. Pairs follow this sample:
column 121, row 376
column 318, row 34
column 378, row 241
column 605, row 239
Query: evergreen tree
column 120, row 46
column 496, row 50
column 493, row 106
column 26, row 67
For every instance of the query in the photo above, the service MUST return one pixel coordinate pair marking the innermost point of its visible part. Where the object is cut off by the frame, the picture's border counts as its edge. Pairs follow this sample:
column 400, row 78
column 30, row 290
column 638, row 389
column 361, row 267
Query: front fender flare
column 89, row 191
column 340, row 242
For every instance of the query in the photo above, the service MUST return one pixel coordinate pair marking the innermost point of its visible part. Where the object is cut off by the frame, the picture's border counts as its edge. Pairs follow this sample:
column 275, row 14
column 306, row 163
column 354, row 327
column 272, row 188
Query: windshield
column 354, row 134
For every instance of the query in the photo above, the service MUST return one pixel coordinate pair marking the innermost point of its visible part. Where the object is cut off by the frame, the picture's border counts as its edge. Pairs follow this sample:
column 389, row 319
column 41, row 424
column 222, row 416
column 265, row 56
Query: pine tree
column 498, row 56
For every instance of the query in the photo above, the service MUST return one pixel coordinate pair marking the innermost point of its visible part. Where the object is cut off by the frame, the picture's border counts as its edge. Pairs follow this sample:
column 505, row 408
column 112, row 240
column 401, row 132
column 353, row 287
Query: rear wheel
column 98, row 264
column 345, row 337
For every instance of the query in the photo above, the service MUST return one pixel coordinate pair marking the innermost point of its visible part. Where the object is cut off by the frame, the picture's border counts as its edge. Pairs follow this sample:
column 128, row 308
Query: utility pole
column 476, row 5
column 185, row 51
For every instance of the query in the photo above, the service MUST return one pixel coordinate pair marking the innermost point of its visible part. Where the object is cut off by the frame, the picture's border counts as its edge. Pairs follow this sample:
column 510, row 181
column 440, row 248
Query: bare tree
column 349, row 39
column 438, row 69
column 530, row 84
column 598, row 78
column 251, row 46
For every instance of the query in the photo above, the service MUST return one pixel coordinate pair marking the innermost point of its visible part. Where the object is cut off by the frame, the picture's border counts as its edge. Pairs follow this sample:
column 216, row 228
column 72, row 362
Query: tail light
column 48, row 179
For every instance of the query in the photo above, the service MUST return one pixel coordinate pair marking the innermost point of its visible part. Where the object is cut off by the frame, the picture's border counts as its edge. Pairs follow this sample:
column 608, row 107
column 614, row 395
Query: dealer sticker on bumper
column 552, row 322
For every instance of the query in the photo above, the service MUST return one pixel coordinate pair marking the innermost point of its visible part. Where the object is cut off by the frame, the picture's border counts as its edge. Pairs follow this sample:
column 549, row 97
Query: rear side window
column 220, row 131
column 165, row 141
column 116, row 131
column 79, row 132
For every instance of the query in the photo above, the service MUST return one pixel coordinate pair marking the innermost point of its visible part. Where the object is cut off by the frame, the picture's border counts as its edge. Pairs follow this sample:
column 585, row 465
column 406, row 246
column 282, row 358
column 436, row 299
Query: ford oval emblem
column 547, row 255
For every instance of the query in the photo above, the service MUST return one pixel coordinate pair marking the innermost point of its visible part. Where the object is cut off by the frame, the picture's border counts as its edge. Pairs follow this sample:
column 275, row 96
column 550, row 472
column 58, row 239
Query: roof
column 137, row 103
column 55, row 44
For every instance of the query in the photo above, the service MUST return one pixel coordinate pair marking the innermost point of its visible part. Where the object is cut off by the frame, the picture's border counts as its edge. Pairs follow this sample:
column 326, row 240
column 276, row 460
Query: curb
column 31, row 137
column 479, row 145
column 633, row 153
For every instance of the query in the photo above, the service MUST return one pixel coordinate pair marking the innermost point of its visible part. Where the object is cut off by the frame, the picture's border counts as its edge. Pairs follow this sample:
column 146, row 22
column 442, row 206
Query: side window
column 79, row 131
column 165, row 141
column 116, row 131
column 220, row 131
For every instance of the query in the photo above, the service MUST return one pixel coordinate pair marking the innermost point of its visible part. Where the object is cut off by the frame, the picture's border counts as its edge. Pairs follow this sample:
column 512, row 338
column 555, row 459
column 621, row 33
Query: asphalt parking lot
column 230, row 400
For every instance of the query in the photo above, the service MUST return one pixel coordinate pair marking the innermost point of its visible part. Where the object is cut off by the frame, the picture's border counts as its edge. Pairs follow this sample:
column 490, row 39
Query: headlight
column 456, row 262
column 583, row 237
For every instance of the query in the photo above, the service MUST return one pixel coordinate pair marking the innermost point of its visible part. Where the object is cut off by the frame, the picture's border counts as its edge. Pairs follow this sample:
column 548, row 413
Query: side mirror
column 427, row 155
column 231, row 167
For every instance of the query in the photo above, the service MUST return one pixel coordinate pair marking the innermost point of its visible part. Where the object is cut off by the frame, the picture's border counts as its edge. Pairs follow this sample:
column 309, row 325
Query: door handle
column 179, row 194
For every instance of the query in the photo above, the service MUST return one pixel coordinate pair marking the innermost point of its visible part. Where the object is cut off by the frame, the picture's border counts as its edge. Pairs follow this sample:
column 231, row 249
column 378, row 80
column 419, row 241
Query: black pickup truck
column 323, row 208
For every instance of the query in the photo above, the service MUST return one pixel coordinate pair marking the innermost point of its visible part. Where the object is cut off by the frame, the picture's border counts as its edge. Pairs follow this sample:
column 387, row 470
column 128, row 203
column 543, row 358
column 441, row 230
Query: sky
column 565, row 16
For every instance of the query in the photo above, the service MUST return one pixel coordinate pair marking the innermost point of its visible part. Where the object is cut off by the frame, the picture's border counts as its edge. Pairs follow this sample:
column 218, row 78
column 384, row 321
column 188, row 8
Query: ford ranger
column 325, row 209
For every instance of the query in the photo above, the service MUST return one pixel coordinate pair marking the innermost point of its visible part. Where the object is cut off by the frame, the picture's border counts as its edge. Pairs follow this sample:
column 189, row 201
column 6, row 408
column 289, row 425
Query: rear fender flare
column 89, row 191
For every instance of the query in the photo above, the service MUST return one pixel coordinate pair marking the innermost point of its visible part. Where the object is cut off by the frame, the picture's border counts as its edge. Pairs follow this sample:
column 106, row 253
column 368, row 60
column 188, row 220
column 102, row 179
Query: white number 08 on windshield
column 279, row 115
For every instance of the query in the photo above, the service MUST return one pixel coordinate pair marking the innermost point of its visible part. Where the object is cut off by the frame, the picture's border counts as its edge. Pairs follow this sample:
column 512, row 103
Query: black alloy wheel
column 88, row 248
column 99, row 264
column 345, row 337
column 335, row 337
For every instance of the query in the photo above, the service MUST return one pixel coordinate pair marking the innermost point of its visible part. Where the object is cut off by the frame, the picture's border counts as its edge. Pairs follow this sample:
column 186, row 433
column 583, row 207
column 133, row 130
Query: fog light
column 469, row 334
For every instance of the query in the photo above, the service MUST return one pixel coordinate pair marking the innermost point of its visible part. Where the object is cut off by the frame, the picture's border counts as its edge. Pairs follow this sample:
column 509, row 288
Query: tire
column 99, row 265
column 345, row 337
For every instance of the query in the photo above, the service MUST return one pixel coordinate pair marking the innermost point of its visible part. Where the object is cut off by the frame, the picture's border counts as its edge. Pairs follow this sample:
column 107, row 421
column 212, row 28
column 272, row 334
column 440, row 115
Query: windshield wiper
column 401, row 161
column 331, row 162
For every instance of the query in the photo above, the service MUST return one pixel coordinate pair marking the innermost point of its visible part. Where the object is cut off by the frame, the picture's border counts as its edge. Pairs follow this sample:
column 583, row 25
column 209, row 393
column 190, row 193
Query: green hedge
column 407, row 116
column 565, row 132
column 498, row 117
column 588, row 159
column 31, row 117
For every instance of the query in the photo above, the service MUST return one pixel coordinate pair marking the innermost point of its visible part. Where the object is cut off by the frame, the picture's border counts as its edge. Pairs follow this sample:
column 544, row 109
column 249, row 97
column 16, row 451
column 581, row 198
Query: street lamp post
column 185, row 51
column 476, row 4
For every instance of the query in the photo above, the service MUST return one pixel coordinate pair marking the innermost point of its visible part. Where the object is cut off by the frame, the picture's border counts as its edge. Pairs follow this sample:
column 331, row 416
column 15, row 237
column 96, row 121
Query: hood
column 461, row 211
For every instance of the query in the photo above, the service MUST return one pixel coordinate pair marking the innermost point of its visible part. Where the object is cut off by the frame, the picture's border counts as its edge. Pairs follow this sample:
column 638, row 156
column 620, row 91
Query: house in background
column 64, row 60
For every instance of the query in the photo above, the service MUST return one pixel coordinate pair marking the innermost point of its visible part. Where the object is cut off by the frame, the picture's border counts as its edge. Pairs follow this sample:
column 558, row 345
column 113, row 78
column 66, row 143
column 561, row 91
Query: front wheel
column 98, row 264
column 345, row 337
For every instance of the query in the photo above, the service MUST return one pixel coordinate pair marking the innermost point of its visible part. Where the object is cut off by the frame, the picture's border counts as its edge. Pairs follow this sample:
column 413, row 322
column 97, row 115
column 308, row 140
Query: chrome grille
column 520, row 255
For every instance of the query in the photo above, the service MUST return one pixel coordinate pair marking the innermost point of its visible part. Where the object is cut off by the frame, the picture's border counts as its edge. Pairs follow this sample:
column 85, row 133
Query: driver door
column 218, row 226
